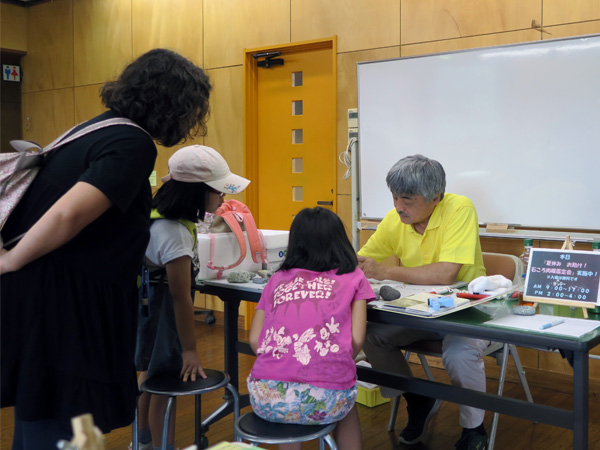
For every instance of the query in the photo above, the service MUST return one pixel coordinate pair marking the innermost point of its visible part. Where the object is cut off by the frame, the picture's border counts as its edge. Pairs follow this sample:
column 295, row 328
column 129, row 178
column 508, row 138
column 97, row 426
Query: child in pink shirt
column 308, row 326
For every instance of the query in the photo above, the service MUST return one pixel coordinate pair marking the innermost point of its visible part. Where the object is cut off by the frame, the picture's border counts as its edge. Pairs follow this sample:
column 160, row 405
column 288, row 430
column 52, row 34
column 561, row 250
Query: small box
column 276, row 243
column 370, row 396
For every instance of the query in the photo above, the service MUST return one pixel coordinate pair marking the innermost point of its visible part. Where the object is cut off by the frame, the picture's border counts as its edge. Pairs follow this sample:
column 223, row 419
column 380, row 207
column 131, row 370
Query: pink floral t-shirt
column 307, row 333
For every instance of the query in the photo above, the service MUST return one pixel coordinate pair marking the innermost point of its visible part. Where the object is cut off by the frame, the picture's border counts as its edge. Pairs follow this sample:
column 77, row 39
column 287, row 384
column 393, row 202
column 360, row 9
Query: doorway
column 290, row 123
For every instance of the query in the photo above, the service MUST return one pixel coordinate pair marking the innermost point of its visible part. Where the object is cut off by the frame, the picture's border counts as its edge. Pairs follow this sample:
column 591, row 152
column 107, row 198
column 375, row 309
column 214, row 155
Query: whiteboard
column 516, row 128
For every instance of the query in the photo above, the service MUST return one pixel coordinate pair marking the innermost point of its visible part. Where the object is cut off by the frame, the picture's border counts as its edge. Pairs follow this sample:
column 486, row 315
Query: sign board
column 10, row 72
column 563, row 277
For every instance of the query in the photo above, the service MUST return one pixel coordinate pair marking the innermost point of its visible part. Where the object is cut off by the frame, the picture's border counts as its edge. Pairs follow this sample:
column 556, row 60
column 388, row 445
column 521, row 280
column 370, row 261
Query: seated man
column 436, row 238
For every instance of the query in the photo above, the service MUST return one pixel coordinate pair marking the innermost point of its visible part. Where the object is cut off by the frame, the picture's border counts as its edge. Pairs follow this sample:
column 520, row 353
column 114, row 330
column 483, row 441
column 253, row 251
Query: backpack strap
column 234, row 213
column 32, row 147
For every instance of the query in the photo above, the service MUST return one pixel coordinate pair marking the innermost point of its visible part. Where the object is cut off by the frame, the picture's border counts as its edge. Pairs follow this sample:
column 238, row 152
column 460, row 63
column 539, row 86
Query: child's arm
column 180, row 282
column 256, row 328
column 359, row 325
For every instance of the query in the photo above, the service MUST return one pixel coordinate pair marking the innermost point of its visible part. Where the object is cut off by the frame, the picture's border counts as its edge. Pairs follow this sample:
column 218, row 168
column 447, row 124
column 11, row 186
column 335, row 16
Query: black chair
column 259, row 431
column 171, row 385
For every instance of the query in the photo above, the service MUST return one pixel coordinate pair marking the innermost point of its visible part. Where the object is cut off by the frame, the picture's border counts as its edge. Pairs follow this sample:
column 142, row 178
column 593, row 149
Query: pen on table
column 552, row 324
column 442, row 291
column 471, row 296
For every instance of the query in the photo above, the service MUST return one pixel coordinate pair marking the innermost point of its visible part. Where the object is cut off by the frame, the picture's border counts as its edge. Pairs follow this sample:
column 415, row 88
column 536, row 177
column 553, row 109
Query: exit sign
column 11, row 72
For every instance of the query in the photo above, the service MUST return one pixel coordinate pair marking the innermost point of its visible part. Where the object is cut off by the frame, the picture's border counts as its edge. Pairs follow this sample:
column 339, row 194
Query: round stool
column 171, row 385
column 259, row 431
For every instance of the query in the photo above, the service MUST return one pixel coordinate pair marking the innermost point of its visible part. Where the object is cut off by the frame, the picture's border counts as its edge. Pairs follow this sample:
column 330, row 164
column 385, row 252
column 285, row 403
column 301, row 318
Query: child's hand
column 191, row 366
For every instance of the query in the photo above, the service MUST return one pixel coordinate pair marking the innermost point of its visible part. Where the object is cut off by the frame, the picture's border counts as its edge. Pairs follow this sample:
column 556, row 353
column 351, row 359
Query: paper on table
column 419, row 304
column 571, row 327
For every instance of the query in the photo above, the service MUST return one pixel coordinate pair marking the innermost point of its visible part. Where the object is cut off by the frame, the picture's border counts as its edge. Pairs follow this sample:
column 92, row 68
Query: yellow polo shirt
column 452, row 235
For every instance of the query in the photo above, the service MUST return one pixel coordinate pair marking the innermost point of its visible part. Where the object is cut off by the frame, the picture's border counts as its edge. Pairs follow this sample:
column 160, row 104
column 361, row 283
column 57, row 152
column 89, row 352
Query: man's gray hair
column 417, row 175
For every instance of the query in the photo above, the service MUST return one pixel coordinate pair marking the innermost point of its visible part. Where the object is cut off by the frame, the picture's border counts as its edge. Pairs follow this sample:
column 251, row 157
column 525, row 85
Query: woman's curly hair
column 164, row 93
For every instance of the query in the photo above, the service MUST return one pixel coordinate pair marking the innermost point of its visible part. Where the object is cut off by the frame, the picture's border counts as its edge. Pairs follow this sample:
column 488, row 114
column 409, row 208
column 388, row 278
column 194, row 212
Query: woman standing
column 68, row 287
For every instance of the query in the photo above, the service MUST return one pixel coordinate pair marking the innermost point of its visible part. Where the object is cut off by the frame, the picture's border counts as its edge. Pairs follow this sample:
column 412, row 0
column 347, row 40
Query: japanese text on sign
column 566, row 275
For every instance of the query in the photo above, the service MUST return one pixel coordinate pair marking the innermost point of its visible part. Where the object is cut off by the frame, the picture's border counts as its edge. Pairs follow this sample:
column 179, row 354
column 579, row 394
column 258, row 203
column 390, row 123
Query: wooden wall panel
column 102, row 40
column 181, row 32
column 561, row 11
column 574, row 29
column 49, row 60
column 553, row 362
column 87, row 102
column 162, row 161
column 359, row 25
column 226, row 125
column 47, row 114
column 237, row 24
column 429, row 20
column 498, row 245
column 344, row 211
column 347, row 98
column 487, row 40
column 529, row 357
column 13, row 27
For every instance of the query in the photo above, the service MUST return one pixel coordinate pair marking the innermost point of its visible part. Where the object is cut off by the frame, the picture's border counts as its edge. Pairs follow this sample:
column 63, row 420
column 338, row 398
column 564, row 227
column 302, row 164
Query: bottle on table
column 528, row 245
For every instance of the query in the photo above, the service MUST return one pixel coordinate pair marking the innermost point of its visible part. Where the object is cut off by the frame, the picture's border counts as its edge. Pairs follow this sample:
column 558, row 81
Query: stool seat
column 259, row 431
column 171, row 384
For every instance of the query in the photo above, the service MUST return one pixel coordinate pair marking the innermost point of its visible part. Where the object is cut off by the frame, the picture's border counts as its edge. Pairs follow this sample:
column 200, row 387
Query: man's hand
column 371, row 268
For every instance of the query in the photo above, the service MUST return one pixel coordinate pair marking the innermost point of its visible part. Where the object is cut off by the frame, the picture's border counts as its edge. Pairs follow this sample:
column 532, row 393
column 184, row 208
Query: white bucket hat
column 198, row 163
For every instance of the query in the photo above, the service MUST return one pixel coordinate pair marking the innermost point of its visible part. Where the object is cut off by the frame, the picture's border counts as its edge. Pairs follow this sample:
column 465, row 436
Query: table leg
column 580, row 400
column 231, row 315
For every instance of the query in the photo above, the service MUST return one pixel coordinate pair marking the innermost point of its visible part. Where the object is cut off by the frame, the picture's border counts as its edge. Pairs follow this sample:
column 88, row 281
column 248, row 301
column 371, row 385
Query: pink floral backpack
column 236, row 217
column 18, row 169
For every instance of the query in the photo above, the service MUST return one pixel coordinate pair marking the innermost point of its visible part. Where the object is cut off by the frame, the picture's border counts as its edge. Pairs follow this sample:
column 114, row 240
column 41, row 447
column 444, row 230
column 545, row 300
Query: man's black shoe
column 473, row 439
column 420, row 412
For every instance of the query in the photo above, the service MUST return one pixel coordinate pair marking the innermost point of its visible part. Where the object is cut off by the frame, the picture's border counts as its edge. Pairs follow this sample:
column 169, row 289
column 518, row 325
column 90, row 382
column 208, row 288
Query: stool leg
column 166, row 420
column 198, row 433
column 236, row 401
column 134, row 429
column 330, row 442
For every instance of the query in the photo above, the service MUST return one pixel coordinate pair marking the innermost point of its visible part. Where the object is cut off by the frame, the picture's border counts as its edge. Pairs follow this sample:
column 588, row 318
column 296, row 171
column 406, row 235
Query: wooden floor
column 444, row 431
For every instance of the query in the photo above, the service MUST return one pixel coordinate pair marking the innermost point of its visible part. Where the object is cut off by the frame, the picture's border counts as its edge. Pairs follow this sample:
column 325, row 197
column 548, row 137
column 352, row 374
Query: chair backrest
column 503, row 264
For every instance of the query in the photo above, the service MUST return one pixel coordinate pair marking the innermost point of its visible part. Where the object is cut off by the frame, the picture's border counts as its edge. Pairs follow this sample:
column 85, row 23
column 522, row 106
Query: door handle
column 324, row 203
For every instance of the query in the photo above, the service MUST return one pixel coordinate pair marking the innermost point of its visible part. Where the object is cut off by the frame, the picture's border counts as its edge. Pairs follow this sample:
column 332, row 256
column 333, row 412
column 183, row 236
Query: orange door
column 296, row 135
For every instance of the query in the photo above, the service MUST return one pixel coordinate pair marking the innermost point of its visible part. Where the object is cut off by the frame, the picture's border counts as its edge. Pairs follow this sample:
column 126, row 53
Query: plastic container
column 370, row 396
column 528, row 244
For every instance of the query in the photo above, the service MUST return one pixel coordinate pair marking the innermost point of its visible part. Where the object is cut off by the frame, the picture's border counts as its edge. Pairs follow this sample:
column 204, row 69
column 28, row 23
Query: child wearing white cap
column 198, row 179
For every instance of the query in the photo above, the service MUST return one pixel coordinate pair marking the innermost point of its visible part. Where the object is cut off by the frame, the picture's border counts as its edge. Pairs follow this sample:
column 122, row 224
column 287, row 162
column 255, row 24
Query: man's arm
column 435, row 273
